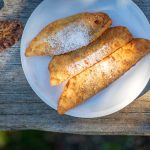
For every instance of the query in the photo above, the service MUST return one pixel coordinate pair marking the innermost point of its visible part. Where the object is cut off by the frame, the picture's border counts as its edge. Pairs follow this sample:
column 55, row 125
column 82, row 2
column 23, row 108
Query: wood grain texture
column 20, row 108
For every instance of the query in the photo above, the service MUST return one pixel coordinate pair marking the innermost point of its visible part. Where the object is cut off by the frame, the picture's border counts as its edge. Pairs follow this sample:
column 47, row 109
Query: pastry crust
column 96, row 78
column 65, row 66
column 68, row 34
column 10, row 33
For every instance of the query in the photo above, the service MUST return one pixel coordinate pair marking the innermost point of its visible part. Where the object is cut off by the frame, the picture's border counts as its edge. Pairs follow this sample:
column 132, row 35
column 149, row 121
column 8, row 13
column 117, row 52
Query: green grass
column 38, row 140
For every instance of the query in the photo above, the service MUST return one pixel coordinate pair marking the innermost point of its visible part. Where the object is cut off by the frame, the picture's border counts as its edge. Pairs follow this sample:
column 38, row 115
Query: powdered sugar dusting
column 72, row 37
column 107, row 69
column 89, row 60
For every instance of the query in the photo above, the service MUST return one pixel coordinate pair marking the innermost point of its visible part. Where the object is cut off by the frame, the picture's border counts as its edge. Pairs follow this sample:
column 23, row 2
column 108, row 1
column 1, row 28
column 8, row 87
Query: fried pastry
column 65, row 66
column 96, row 78
column 10, row 33
column 68, row 34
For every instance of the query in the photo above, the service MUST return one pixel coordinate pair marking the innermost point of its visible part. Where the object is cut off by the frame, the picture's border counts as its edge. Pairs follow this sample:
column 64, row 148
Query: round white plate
column 119, row 94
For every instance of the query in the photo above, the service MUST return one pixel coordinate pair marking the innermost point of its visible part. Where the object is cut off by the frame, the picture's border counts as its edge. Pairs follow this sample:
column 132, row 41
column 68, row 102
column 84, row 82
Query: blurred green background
column 39, row 140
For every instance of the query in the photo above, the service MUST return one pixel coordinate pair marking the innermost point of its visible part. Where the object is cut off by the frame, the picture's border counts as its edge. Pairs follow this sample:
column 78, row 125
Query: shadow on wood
column 147, row 88
column 1, row 4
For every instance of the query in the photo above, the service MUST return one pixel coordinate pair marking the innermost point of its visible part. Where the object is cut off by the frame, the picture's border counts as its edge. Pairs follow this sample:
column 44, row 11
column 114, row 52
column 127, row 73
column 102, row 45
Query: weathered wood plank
column 20, row 108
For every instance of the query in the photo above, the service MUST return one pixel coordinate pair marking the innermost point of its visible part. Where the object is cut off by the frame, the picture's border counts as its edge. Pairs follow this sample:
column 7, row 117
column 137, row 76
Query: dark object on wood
column 10, row 33
column 20, row 107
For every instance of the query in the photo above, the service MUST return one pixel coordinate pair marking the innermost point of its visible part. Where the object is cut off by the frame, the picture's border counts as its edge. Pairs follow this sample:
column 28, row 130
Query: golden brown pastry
column 65, row 66
column 68, row 34
column 10, row 33
column 96, row 78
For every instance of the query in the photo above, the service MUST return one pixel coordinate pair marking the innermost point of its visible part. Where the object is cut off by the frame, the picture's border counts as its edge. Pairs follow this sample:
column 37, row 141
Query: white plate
column 117, row 95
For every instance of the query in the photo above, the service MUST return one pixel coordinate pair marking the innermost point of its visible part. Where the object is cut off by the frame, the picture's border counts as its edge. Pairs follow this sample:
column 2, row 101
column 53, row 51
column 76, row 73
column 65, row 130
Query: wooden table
column 20, row 108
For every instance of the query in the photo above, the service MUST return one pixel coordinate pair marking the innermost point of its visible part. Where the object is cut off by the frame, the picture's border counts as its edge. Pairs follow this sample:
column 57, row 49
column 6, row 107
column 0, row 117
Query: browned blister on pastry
column 65, row 66
column 68, row 34
column 10, row 33
column 96, row 78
